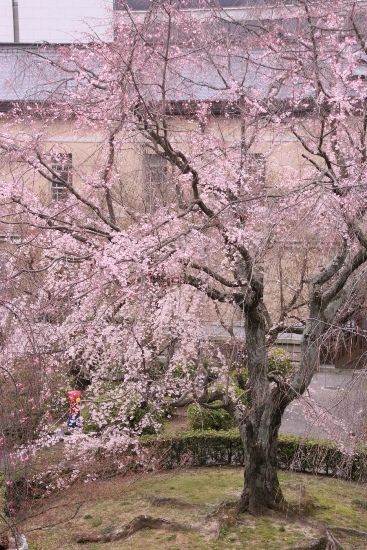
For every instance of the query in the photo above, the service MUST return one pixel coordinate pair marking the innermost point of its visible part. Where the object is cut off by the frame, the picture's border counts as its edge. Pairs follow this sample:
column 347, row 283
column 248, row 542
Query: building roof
column 144, row 5
column 26, row 77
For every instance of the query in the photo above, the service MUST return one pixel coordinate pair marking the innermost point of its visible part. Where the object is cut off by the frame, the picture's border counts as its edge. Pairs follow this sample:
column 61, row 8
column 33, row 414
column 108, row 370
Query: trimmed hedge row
column 213, row 448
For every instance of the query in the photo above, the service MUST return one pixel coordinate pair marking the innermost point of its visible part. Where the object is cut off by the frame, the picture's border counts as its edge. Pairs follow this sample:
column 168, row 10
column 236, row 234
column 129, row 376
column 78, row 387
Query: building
column 35, row 21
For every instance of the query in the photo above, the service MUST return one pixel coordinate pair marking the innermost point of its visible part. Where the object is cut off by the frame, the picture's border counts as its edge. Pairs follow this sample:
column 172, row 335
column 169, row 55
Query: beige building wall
column 280, row 150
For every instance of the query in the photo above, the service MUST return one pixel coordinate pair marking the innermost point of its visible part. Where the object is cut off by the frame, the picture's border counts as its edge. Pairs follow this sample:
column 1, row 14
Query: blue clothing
column 74, row 421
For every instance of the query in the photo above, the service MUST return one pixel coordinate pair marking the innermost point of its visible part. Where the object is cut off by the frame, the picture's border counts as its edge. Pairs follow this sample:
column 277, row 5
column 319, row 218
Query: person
column 74, row 420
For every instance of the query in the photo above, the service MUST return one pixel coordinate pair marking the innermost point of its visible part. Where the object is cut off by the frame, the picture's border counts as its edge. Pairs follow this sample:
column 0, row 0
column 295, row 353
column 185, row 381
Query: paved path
column 339, row 399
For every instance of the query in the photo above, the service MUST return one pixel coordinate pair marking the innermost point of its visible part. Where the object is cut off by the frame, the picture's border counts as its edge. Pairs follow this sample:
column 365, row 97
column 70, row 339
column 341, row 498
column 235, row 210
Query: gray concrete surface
column 335, row 406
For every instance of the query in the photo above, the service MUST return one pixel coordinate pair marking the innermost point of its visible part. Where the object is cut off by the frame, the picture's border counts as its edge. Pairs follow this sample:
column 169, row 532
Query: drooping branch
column 57, row 178
column 222, row 280
column 75, row 232
column 297, row 293
column 210, row 291
column 108, row 172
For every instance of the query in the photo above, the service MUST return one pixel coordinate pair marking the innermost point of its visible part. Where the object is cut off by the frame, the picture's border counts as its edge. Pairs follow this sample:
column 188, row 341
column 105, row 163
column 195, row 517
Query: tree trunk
column 260, row 426
column 259, row 436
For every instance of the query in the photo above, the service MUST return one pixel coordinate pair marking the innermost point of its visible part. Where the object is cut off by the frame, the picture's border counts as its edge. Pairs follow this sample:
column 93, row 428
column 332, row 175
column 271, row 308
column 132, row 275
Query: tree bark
column 260, row 439
column 259, row 428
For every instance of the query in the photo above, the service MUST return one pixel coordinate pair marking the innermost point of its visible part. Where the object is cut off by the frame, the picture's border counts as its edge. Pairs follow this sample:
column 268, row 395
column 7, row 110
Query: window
column 9, row 237
column 61, row 164
column 155, row 175
column 359, row 71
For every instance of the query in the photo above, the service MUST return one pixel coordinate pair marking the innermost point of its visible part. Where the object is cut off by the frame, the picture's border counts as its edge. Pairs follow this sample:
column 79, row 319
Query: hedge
column 213, row 448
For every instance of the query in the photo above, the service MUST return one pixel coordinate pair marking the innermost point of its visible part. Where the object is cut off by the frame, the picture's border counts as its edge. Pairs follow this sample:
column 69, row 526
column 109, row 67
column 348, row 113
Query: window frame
column 61, row 164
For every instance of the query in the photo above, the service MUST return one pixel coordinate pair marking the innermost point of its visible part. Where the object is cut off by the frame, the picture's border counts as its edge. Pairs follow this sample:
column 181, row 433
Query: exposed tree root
column 314, row 544
column 348, row 531
column 222, row 507
column 325, row 542
column 226, row 514
column 137, row 524
column 332, row 542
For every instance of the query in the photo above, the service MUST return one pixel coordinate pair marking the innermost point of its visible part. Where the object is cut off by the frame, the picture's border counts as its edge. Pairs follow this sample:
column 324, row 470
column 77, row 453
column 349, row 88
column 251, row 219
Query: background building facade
column 29, row 21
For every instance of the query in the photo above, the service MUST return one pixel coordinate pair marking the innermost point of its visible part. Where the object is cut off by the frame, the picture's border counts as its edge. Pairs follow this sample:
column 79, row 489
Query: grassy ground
column 189, row 497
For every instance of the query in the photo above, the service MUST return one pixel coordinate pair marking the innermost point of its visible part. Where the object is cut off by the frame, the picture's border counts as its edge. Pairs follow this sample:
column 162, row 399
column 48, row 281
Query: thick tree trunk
column 259, row 428
column 261, row 485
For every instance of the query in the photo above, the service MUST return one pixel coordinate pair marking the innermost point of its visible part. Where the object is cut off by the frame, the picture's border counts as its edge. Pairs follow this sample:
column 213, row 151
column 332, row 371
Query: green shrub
column 279, row 360
column 179, row 370
column 201, row 418
column 88, row 425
